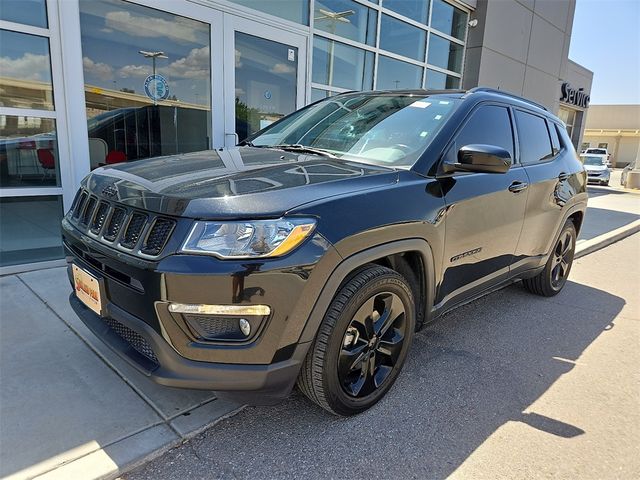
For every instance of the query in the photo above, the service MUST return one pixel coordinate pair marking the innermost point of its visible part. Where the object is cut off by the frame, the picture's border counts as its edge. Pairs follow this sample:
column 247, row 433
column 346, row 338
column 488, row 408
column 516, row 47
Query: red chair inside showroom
column 46, row 159
column 115, row 156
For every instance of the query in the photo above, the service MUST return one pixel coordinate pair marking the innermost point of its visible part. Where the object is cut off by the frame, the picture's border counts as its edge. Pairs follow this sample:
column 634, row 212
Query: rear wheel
column 362, row 342
column 550, row 281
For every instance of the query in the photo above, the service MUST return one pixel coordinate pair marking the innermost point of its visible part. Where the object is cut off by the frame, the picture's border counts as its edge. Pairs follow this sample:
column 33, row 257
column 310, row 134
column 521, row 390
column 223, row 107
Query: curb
column 585, row 247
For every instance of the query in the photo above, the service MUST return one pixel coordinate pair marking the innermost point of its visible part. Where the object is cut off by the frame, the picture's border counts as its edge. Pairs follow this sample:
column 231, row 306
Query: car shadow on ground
column 469, row 373
column 602, row 220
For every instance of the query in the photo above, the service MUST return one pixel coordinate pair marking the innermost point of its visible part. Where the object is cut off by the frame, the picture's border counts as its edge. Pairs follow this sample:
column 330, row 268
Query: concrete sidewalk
column 71, row 408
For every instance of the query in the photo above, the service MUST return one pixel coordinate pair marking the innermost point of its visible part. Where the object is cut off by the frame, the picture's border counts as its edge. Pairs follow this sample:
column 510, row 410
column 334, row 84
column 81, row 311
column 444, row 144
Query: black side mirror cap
column 481, row 159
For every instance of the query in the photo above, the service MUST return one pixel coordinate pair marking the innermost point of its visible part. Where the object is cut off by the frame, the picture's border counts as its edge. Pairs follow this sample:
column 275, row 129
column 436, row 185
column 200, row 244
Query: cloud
column 194, row 66
column 101, row 70
column 282, row 68
column 238, row 55
column 134, row 71
column 180, row 29
column 27, row 67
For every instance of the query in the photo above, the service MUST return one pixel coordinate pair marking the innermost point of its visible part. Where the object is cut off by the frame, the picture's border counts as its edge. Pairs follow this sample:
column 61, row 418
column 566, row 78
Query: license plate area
column 89, row 289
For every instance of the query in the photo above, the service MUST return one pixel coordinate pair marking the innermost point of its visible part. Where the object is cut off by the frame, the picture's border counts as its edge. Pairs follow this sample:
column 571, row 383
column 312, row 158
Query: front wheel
column 362, row 342
column 550, row 281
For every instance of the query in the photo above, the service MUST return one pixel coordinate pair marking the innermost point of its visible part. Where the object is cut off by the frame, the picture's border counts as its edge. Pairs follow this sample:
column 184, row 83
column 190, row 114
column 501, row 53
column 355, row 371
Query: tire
column 550, row 281
column 331, row 375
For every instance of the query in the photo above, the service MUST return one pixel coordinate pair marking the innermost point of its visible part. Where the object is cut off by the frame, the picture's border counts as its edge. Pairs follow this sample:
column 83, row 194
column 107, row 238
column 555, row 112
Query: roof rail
column 507, row 94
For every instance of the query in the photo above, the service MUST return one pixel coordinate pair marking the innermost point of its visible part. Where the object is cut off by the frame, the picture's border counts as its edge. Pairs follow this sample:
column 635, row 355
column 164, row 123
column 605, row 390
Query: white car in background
column 599, row 151
column 597, row 168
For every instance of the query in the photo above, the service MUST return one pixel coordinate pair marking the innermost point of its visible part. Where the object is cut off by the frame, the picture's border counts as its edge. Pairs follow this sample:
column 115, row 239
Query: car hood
column 595, row 168
column 243, row 182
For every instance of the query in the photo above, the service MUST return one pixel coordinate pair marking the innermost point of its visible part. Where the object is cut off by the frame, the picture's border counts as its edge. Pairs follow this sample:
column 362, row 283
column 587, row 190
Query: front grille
column 99, row 218
column 134, row 230
column 115, row 224
column 133, row 338
column 88, row 211
column 158, row 236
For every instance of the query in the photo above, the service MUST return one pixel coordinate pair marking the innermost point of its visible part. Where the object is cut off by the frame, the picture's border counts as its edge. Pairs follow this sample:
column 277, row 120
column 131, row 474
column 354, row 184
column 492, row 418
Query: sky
column 606, row 40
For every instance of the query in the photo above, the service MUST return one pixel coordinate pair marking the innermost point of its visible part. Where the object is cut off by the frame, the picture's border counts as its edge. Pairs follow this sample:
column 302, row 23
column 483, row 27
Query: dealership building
column 85, row 83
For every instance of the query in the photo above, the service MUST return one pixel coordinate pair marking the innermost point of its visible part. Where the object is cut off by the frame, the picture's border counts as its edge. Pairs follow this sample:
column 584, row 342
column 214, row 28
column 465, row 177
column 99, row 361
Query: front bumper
column 598, row 177
column 255, row 384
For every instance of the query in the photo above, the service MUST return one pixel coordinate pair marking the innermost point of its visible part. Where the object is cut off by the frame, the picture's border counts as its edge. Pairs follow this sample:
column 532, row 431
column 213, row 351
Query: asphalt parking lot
column 512, row 385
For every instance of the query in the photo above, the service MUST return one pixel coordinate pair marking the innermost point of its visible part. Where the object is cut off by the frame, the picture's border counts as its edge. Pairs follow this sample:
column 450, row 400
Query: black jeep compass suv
column 312, row 252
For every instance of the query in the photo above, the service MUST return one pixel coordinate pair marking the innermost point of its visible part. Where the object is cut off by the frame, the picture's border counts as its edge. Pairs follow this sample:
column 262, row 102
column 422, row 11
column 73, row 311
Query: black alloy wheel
column 372, row 344
column 362, row 342
column 562, row 258
column 553, row 277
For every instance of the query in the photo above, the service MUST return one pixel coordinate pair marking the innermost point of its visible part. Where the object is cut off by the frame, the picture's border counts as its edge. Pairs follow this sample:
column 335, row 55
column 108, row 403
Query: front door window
column 265, row 82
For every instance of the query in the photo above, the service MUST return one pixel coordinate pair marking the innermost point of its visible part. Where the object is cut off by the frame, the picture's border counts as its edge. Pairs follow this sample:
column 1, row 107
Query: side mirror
column 481, row 159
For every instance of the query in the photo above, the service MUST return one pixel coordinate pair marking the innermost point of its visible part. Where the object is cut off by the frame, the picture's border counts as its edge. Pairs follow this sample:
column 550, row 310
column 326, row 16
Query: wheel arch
column 401, row 256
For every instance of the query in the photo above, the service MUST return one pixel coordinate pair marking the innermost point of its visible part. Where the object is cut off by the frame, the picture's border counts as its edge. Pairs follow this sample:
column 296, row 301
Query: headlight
column 248, row 239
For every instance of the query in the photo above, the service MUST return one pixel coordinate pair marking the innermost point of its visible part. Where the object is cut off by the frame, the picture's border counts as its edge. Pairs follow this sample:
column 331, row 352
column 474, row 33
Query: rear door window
column 533, row 137
column 555, row 140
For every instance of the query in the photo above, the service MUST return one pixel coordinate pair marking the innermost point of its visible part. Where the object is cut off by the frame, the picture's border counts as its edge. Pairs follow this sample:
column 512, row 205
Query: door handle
column 563, row 176
column 517, row 186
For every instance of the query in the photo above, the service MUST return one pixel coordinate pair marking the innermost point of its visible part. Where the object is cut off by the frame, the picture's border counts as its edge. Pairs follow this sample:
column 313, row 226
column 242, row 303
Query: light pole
column 334, row 18
column 153, row 56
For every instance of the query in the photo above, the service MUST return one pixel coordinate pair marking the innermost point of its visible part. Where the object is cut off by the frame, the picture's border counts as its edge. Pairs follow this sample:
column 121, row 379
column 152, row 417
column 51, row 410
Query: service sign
column 570, row 95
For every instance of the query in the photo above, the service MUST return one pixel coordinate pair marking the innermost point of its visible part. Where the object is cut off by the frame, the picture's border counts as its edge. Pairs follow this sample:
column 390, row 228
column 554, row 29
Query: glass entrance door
column 267, row 80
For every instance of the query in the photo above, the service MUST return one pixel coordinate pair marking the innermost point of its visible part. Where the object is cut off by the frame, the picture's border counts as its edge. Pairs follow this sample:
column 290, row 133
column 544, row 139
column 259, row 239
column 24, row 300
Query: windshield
column 594, row 161
column 599, row 151
column 389, row 130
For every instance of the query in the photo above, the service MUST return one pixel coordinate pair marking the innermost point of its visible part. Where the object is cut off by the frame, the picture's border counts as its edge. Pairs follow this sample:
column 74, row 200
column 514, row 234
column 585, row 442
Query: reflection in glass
column 402, row 38
column 28, row 152
column 441, row 81
column 448, row 19
column 341, row 65
column 317, row 94
column 293, row 10
column 394, row 74
column 25, row 71
column 347, row 19
column 147, row 81
column 266, row 82
column 27, row 12
column 417, row 10
column 445, row 54
column 30, row 229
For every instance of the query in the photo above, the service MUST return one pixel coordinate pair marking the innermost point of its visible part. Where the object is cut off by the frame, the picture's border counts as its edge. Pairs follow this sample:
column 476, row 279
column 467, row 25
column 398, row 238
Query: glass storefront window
column 30, row 229
column 317, row 94
column 147, row 77
column 445, row 54
column 441, row 81
column 266, row 74
column 25, row 71
column 347, row 19
column 340, row 65
column 449, row 19
column 394, row 74
column 27, row 12
column 401, row 38
column 28, row 152
column 417, row 10
column 293, row 10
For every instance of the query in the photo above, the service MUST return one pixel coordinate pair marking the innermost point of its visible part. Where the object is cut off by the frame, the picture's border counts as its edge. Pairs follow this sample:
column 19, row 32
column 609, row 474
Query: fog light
column 245, row 327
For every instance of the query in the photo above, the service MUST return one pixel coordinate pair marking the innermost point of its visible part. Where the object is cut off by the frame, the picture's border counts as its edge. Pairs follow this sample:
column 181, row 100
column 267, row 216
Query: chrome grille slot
column 88, row 211
column 80, row 204
column 115, row 224
column 158, row 235
column 134, row 230
column 99, row 218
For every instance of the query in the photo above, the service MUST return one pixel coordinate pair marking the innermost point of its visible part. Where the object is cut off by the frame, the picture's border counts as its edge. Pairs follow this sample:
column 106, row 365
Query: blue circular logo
column 267, row 94
column 156, row 87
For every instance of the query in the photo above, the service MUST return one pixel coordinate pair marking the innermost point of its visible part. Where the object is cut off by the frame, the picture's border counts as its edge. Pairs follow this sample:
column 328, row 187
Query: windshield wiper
column 296, row 147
